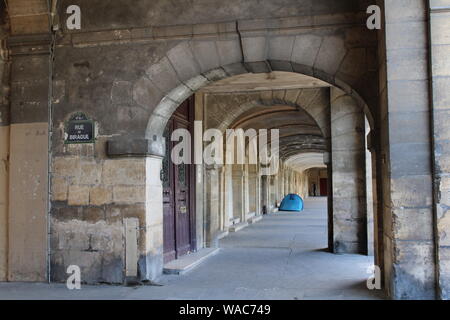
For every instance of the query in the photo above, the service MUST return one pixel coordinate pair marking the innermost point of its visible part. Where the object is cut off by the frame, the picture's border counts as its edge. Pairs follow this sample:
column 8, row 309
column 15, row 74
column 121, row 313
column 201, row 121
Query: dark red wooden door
column 177, row 191
column 323, row 187
column 167, row 178
column 182, row 216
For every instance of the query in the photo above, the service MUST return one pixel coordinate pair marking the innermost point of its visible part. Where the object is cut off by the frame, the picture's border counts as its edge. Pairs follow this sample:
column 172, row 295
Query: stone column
column 348, row 177
column 238, row 192
column 376, row 210
column 253, row 188
column 199, row 195
column 258, row 192
column 28, row 176
column 211, row 205
column 246, row 207
column 370, row 191
column 222, row 211
column 406, row 175
column 4, row 157
column 440, row 69
column 151, row 254
column 228, row 194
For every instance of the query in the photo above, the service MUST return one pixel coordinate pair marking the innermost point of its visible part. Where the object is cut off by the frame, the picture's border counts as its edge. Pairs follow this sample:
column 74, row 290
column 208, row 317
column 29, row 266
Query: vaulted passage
column 161, row 132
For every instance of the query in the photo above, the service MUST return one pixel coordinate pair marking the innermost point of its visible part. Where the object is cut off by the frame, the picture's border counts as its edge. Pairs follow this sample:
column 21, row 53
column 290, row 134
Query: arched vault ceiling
column 224, row 110
column 298, row 132
column 305, row 161
column 265, row 81
column 276, row 119
column 297, row 144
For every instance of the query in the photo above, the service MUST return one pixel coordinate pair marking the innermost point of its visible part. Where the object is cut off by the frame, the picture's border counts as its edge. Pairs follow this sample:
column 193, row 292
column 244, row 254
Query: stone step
column 222, row 234
column 237, row 227
column 254, row 219
column 189, row 261
column 235, row 220
column 250, row 215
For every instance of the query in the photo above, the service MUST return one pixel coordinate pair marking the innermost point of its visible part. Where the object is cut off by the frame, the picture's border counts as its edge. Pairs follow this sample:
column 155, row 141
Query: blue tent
column 292, row 202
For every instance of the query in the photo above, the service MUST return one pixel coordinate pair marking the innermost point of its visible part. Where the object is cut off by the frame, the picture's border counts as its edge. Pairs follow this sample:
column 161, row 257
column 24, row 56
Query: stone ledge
column 30, row 44
column 189, row 261
column 219, row 30
column 235, row 220
column 237, row 227
column 254, row 219
column 122, row 147
column 222, row 234
column 250, row 215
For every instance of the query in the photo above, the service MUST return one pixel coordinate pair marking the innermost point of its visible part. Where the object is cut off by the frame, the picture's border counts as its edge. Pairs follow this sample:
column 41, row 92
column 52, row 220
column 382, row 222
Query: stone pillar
column 199, row 195
column 4, row 157
column 253, row 188
column 4, row 178
column 348, row 166
column 151, row 253
column 406, row 177
column 228, row 194
column 274, row 190
column 280, row 183
column 28, row 175
column 258, row 192
column 211, row 205
column 238, row 192
column 246, row 207
column 370, row 191
column 377, row 211
column 222, row 210
column 440, row 69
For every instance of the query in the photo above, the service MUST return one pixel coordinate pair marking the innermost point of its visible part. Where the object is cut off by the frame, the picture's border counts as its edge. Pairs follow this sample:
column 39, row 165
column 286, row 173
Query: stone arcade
column 363, row 118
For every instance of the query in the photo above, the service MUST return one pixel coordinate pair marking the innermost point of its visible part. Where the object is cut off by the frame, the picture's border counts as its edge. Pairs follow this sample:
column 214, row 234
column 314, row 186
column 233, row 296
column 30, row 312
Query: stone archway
column 190, row 65
column 176, row 96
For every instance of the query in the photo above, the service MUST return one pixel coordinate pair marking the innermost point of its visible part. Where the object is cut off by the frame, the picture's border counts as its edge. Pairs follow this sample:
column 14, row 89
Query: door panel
column 176, row 180
column 182, row 211
column 168, row 196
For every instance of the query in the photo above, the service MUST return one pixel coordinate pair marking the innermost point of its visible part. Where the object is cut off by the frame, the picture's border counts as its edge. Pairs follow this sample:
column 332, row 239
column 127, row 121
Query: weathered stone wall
column 151, row 61
column 91, row 196
column 99, row 15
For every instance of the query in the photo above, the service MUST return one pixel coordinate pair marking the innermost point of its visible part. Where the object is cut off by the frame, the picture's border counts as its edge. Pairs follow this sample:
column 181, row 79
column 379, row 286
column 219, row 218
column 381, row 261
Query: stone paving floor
column 281, row 257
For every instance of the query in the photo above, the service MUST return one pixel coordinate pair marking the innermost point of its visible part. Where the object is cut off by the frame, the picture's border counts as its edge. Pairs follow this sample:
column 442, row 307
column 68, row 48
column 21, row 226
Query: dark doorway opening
column 323, row 187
